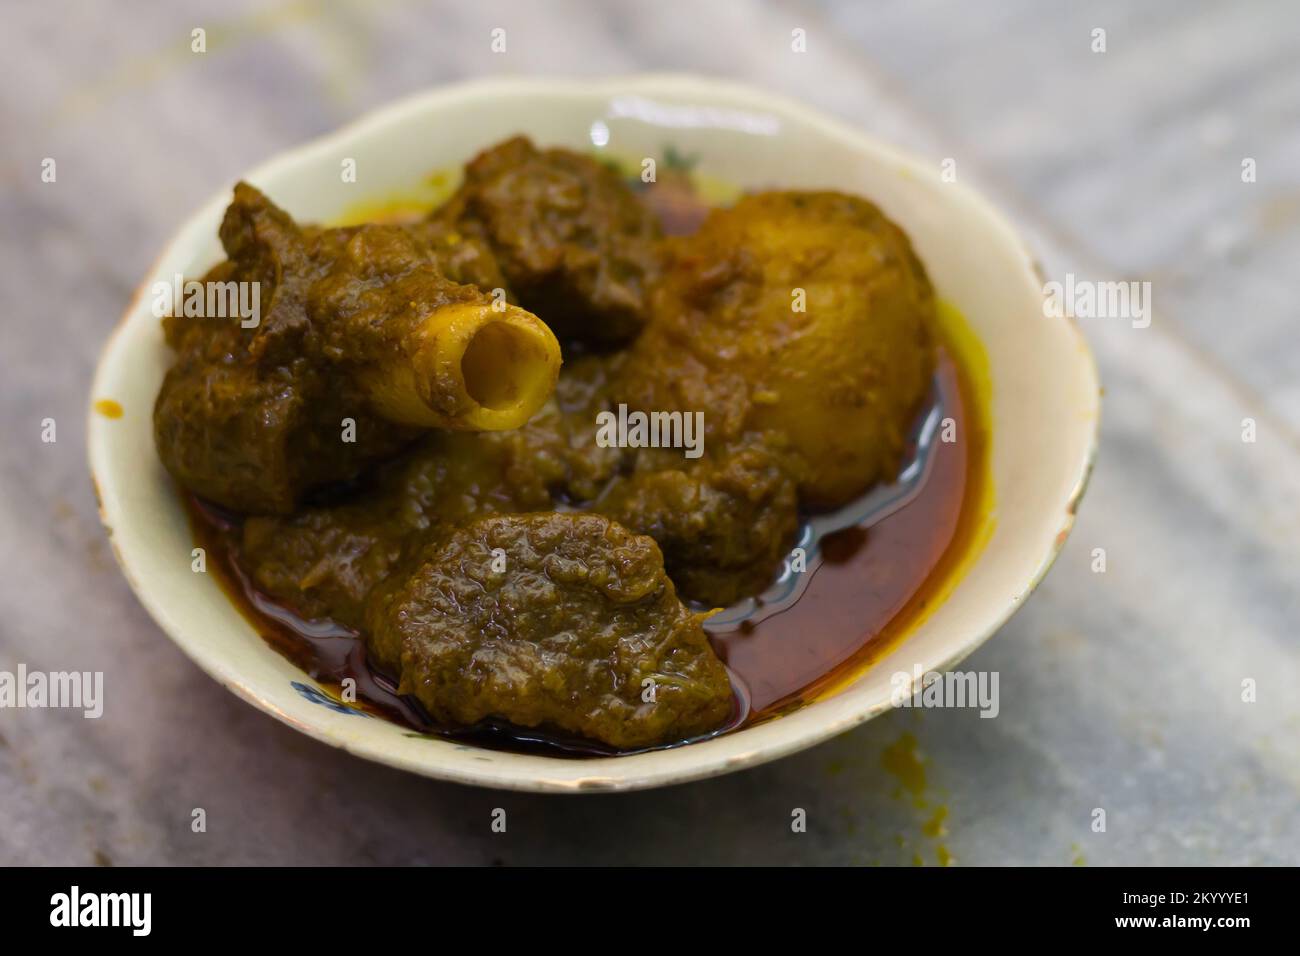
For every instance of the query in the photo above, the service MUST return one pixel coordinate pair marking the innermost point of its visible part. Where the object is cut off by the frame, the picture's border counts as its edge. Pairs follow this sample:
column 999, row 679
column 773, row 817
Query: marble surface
column 1119, row 690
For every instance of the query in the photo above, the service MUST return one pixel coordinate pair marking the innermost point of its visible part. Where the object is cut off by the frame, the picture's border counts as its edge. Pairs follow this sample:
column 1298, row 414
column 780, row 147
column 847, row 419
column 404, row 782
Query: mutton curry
column 401, row 469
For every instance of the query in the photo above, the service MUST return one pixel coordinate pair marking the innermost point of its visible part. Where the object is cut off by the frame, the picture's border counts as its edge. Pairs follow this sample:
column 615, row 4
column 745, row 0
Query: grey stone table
column 1119, row 690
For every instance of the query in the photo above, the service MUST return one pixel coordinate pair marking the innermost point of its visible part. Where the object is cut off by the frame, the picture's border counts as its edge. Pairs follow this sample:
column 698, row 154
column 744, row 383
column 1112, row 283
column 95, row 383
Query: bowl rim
column 798, row 730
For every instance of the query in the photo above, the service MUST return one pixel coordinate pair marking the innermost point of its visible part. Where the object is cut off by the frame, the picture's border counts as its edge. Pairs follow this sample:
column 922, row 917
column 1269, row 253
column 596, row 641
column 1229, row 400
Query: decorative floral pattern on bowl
column 318, row 696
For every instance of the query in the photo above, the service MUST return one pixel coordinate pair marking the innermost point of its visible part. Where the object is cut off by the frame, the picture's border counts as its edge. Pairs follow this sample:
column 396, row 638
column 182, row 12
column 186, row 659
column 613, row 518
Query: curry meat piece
column 724, row 521
column 249, row 418
column 576, row 245
column 252, row 419
column 426, row 349
column 558, row 620
column 802, row 313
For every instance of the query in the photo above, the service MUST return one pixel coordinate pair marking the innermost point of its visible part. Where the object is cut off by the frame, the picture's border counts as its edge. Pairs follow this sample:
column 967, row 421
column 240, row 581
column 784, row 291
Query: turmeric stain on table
column 900, row 760
column 934, row 827
column 904, row 762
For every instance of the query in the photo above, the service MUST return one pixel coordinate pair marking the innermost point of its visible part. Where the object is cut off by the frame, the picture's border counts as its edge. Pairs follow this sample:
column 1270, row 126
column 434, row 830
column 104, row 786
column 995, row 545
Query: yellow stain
column 934, row 827
column 108, row 408
column 900, row 760
column 903, row 761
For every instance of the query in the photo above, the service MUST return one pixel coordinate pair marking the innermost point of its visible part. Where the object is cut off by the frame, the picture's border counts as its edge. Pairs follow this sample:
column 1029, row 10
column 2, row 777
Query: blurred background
column 1119, row 690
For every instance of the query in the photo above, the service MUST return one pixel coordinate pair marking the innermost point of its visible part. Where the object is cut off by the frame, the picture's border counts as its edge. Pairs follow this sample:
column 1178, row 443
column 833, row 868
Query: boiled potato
column 806, row 314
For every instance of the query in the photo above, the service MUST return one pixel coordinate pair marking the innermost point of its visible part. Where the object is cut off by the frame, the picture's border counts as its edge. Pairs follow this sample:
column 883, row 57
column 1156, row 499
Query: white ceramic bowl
column 1044, row 403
